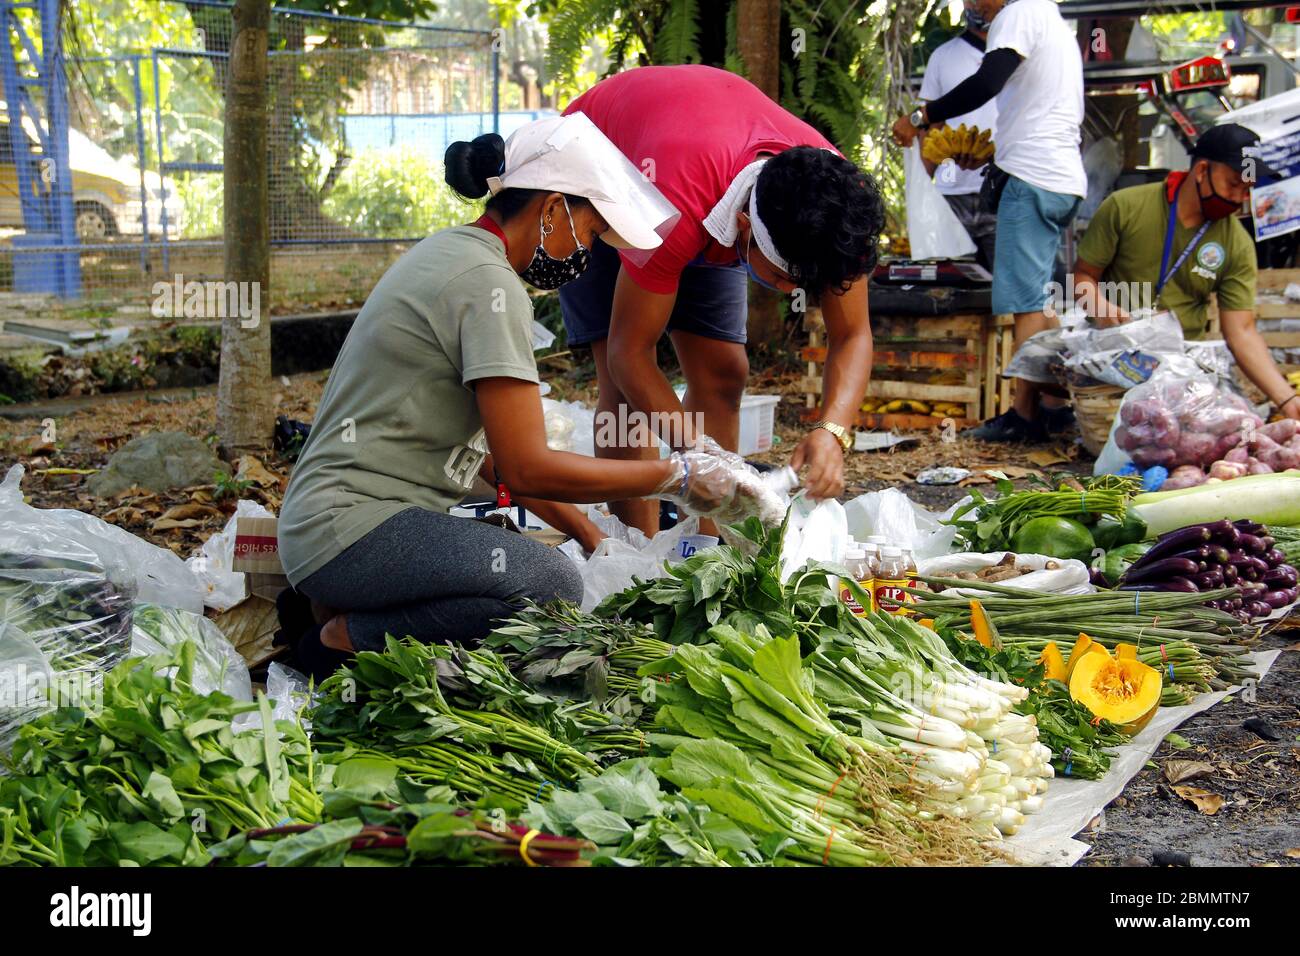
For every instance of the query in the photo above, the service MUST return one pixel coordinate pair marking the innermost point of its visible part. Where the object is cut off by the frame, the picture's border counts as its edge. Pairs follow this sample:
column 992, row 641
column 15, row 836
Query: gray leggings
column 438, row 578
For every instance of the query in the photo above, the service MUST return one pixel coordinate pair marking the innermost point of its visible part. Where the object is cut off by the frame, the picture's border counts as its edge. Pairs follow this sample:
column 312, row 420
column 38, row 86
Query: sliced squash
column 1084, row 645
column 983, row 627
column 1126, row 652
column 927, row 622
column 1122, row 690
column 1053, row 663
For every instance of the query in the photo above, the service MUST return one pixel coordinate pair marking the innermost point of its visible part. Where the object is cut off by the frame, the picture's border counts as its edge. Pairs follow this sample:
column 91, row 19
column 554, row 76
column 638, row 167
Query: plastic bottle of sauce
column 855, row 561
column 912, row 571
column 872, row 550
column 891, row 578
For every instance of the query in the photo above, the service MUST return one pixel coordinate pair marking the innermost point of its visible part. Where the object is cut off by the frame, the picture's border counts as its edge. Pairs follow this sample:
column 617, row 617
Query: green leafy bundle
column 993, row 522
column 769, row 756
column 634, row 822
column 152, row 776
column 727, row 584
column 376, row 817
column 455, row 717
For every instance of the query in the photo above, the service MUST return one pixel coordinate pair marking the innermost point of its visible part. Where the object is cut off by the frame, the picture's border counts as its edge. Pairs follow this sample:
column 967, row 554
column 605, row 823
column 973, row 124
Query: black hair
column 824, row 214
column 467, row 166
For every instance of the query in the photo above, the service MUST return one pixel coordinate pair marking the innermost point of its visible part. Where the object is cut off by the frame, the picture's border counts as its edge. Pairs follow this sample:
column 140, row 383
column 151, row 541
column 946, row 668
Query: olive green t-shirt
column 1126, row 239
column 398, row 426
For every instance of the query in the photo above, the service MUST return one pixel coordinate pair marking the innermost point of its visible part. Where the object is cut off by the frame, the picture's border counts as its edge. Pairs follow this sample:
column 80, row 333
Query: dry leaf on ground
column 1176, row 771
column 1205, row 801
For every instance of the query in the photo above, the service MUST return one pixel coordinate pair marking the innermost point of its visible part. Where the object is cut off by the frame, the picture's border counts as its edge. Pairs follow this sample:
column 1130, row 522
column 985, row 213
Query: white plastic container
column 757, row 418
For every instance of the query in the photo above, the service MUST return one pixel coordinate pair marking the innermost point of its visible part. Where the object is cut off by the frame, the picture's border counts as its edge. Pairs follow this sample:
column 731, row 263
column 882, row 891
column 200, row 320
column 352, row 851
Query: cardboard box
column 257, row 547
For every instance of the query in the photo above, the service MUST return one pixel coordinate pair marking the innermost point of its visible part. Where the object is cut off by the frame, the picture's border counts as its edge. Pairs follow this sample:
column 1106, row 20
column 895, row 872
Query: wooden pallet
column 1268, row 281
column 909, row 349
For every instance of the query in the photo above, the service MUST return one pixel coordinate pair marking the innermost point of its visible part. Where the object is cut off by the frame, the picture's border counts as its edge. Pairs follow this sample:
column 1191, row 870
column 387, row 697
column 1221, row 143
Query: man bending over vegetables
column 1183, row 237
column 761, row 194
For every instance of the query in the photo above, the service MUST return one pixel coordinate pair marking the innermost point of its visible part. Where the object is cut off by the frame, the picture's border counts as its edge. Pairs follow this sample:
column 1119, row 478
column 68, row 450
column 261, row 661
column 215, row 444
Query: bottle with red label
column 855, row 561
column 891, row 579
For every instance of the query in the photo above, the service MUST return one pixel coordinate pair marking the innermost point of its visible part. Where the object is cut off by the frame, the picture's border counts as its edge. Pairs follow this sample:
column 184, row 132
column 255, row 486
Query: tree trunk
column 244, row 411
column 758, row 41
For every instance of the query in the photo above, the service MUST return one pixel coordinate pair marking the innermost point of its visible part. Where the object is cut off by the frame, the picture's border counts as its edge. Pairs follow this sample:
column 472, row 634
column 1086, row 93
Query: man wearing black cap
column 1179, row 240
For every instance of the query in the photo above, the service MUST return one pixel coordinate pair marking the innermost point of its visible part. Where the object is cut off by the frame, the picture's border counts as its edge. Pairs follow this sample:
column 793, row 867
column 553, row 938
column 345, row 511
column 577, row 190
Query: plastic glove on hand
column 721, row 487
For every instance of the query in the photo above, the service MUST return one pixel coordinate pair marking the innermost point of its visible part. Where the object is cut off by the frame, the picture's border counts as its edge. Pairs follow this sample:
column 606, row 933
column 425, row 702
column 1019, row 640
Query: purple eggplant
column 1230, row 536
column 1209, row 580
column 1283, row 576
column 1173, row 542
column 1162, row 569
column 1229, row 574
column 1259, row 564
column 1246, row 526
column 1275, row 557
column 1276, row 599
column 1253, row 544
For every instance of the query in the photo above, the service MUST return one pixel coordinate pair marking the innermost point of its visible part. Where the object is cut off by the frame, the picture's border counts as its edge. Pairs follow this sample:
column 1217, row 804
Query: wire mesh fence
column 359, row 115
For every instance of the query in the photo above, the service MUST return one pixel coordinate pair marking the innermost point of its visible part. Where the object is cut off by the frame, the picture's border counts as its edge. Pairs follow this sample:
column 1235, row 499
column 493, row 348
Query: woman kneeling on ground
column 438, row 369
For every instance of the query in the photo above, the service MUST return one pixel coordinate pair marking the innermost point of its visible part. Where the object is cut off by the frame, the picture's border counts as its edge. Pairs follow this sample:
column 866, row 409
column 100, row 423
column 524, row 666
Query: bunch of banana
column 947, row 410
column 906, row 406
column 1294, row 379
column 967, row 146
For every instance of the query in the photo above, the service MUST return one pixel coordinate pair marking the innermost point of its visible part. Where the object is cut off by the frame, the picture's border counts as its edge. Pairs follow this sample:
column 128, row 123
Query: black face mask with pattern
column 547, row 272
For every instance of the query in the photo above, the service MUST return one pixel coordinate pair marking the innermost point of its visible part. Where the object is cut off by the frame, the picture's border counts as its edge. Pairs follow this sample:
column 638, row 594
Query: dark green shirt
column 1126, row 239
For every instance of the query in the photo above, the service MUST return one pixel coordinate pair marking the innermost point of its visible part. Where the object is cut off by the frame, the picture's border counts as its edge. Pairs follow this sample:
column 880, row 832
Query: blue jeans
column 1030, row 224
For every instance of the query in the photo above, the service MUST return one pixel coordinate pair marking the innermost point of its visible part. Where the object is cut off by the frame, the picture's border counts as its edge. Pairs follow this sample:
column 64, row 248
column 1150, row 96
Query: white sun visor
column 569, row 154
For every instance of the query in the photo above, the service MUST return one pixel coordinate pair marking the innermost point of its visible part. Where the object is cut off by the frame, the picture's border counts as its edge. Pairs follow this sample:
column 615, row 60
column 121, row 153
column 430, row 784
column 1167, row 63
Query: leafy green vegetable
column 993, row 522
column 154, row 775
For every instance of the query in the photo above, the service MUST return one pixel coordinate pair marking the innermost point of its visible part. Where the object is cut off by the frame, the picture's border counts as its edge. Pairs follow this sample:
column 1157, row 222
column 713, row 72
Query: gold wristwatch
column 839, row 431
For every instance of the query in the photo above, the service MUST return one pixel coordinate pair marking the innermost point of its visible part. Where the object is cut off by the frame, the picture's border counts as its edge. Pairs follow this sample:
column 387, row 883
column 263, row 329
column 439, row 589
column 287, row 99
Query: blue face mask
column 750, row 269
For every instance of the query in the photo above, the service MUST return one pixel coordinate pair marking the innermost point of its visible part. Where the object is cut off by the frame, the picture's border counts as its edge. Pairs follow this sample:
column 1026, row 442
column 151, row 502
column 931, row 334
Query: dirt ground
column 1257, row 779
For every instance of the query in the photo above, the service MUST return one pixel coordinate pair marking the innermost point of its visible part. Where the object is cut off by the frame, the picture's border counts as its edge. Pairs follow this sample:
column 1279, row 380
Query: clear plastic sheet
column 63, row 621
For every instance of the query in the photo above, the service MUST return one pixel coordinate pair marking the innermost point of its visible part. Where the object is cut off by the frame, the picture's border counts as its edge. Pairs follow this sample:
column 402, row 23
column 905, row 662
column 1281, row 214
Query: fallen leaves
column 1176, row 771
column 1046, row 457
column 1205, row 801
column 249, row 468
column 1293, row 853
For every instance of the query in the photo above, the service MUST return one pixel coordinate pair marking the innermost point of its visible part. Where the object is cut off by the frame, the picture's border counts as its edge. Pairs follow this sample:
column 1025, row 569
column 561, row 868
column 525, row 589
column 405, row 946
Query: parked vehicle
column 105, row 191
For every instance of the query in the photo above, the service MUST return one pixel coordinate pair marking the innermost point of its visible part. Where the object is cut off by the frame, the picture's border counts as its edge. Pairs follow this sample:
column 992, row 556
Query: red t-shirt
column 691, row 130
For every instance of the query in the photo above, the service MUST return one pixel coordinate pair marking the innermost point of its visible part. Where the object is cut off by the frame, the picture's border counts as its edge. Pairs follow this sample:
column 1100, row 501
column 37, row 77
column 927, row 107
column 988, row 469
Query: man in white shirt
column 1032, row 64
column 949, row 65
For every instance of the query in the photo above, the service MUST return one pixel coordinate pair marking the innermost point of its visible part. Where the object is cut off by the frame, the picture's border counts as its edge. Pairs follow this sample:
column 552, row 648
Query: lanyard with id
column 1169, row 245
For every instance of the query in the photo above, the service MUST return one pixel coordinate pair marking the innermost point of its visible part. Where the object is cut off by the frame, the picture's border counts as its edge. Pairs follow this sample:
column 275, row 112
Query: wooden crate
column 910, row 349
column 1268, row 282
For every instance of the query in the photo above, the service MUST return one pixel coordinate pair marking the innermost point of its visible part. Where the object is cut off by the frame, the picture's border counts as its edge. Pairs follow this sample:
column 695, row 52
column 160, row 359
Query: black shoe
column 1056, row 420
column 1008, row 427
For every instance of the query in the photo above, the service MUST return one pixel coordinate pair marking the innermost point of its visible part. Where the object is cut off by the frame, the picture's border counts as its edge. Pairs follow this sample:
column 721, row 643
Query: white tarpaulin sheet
column 1047, row 837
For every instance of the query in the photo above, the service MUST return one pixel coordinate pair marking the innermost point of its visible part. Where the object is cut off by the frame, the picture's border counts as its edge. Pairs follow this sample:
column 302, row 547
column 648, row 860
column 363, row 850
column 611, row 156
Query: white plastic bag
column 933, row 230
column 901, row 521
column 613, row 564
column 212, row 567
column 1071, row 577
column 817, row 532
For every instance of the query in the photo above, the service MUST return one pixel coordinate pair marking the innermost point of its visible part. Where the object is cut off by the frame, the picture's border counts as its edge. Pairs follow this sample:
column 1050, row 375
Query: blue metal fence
column 47, row 255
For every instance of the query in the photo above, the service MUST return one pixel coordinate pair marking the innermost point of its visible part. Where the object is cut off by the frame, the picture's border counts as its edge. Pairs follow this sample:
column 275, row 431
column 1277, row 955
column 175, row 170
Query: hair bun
column 467, row 165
